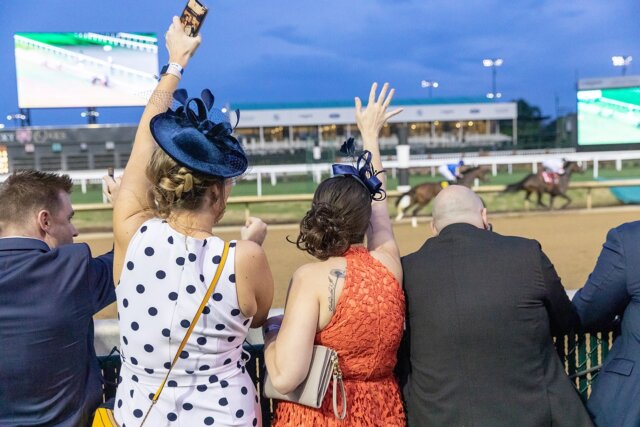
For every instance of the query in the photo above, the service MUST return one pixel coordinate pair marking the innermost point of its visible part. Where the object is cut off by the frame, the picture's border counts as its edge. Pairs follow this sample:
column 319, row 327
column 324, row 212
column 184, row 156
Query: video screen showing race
column 609, row 116
column 56, row 70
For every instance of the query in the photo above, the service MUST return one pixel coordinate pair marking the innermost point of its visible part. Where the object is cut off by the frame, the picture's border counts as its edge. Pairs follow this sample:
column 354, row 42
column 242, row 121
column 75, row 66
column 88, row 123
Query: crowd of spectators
column 459, row 333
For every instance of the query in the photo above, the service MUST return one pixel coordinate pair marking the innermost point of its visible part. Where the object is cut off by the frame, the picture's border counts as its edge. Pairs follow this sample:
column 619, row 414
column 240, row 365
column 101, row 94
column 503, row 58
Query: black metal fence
column 582, row 354
column 110, row 366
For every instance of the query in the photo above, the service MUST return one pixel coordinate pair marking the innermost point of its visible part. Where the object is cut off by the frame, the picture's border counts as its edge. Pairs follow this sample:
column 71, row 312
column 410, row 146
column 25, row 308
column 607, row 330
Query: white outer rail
column 495, row 159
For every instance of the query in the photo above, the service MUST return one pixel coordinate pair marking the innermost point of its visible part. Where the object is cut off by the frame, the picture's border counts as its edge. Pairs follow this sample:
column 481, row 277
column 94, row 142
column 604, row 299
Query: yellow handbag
column 104, row 416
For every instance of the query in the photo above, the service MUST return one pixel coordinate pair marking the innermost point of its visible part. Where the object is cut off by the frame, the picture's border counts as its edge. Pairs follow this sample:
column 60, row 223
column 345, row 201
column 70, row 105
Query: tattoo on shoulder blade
column 334, row 276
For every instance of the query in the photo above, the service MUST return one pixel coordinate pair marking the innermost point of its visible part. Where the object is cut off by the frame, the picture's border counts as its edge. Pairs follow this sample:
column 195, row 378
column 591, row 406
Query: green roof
column 68, row 39
column 57, row 39
column 348, row 104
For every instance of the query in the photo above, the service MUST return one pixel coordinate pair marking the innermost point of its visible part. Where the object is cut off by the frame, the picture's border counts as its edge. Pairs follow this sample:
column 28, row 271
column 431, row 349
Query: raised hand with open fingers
column 371, row 120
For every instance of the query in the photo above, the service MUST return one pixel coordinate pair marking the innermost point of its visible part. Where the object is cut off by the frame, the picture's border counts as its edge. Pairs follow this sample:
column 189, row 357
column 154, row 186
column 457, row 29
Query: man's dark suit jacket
column 481, row 311
column 49, row 374
column 614, row 289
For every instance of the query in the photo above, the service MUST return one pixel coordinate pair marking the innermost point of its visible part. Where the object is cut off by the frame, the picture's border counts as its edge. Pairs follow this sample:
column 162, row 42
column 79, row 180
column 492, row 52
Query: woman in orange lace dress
column 351, row 300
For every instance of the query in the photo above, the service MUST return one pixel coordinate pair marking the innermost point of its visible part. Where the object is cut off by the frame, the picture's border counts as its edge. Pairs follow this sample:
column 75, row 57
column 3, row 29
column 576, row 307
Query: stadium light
column 430, row 84
column 493, row 64
column 622, row 61
column 19, row 119
column 91, row 115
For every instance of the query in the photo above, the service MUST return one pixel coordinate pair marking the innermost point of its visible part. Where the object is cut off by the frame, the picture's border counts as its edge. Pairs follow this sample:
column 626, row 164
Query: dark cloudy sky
column 277, row 50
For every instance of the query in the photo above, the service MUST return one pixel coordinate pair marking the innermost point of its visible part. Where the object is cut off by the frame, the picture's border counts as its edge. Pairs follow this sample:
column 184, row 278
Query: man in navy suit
column 49, row 290
column 613, row 289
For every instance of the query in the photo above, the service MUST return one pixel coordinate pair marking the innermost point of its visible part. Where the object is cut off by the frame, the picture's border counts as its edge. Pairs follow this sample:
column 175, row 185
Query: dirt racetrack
column 571, row 239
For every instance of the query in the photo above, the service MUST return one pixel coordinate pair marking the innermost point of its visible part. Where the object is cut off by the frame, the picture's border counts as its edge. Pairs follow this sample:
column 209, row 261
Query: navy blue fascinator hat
column 194, row 140
column 363, row 172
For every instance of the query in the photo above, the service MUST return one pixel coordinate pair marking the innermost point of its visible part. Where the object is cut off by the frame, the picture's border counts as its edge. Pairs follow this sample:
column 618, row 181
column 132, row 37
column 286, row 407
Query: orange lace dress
column 365, row 330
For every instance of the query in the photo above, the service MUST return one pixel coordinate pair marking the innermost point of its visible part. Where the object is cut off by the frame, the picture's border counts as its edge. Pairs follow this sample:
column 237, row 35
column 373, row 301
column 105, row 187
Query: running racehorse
column 420, row 195
column 534, row 183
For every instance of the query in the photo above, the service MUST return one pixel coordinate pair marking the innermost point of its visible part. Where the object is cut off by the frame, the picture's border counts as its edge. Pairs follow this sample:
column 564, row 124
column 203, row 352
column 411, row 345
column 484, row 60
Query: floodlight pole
column 493, row 64
column 622, row 61
column 25, row 120
column 429, row 84
column 91, row 114
column 92, row 117
column 493, row 80
column 21, row 118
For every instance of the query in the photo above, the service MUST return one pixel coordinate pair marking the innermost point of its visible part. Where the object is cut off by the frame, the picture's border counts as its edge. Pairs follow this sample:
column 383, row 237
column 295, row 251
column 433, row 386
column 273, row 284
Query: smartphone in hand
column 193, row 16
column 106, row 193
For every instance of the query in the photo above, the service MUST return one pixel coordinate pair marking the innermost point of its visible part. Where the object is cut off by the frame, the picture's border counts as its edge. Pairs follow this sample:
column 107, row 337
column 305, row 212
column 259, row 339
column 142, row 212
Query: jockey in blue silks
column 451, row 171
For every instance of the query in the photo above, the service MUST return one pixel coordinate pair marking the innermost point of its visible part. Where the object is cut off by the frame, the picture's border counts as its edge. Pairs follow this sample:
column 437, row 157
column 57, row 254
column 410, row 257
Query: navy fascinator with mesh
column 198, row 136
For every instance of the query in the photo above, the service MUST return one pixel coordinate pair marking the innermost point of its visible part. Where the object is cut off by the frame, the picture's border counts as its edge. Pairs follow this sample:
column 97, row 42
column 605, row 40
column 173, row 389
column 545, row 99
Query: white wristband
column 174, row 69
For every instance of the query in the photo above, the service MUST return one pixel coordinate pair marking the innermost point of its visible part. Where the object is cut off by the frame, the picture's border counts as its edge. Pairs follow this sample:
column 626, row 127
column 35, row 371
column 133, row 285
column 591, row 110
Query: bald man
column 481, row 312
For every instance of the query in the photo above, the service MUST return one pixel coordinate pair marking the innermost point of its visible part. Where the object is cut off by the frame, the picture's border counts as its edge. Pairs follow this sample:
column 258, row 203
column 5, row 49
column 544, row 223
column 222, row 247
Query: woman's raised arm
column 370, row 122
column 132, row 207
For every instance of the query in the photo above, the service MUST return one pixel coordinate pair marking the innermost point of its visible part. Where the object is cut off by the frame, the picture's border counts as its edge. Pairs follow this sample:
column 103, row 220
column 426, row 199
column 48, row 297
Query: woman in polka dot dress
column 166, row 257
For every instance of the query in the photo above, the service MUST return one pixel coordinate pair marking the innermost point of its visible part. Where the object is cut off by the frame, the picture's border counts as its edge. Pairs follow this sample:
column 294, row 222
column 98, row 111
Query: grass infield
column 294, row 211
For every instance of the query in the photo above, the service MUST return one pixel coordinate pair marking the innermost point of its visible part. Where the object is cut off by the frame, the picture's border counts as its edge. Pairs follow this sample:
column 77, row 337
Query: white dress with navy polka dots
column 165, row 278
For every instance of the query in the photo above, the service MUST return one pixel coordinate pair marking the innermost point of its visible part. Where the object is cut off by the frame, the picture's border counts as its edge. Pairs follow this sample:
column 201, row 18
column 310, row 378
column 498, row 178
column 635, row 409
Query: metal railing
column 493, row 160
column 582, row 355
column 247, row 201
column 110, row 366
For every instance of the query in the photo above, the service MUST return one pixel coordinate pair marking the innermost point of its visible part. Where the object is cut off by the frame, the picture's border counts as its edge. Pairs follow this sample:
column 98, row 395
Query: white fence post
column 259, row 183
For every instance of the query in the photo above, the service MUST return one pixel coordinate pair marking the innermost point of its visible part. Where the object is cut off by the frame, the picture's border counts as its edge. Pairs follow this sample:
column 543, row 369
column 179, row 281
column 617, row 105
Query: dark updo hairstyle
column 176, row 187
column 339, row 217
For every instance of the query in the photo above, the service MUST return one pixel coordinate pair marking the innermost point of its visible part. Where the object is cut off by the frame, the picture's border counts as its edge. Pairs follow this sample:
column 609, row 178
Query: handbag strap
column 337, row 378
column 212, row 287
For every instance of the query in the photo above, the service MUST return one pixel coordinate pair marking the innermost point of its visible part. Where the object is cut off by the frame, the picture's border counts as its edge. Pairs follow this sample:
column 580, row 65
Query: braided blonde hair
column 175, row 187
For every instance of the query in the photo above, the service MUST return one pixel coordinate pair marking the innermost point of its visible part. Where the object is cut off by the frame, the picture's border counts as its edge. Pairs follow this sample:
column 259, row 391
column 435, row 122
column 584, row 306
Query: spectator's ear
column 434, row 230
column 485, row 221
column 44, row 220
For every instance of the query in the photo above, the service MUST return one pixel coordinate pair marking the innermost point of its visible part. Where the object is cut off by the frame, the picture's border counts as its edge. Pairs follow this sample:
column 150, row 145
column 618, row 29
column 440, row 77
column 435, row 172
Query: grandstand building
column 427, row 123
column 276, row 133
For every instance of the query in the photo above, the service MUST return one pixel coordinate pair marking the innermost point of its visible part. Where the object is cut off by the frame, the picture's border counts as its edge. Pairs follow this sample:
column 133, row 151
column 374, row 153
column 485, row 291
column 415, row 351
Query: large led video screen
column 57, row 70
column 609, row 116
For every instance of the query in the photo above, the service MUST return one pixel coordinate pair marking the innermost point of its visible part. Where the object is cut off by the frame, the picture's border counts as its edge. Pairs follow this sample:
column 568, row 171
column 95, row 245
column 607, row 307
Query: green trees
column 532, row 131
